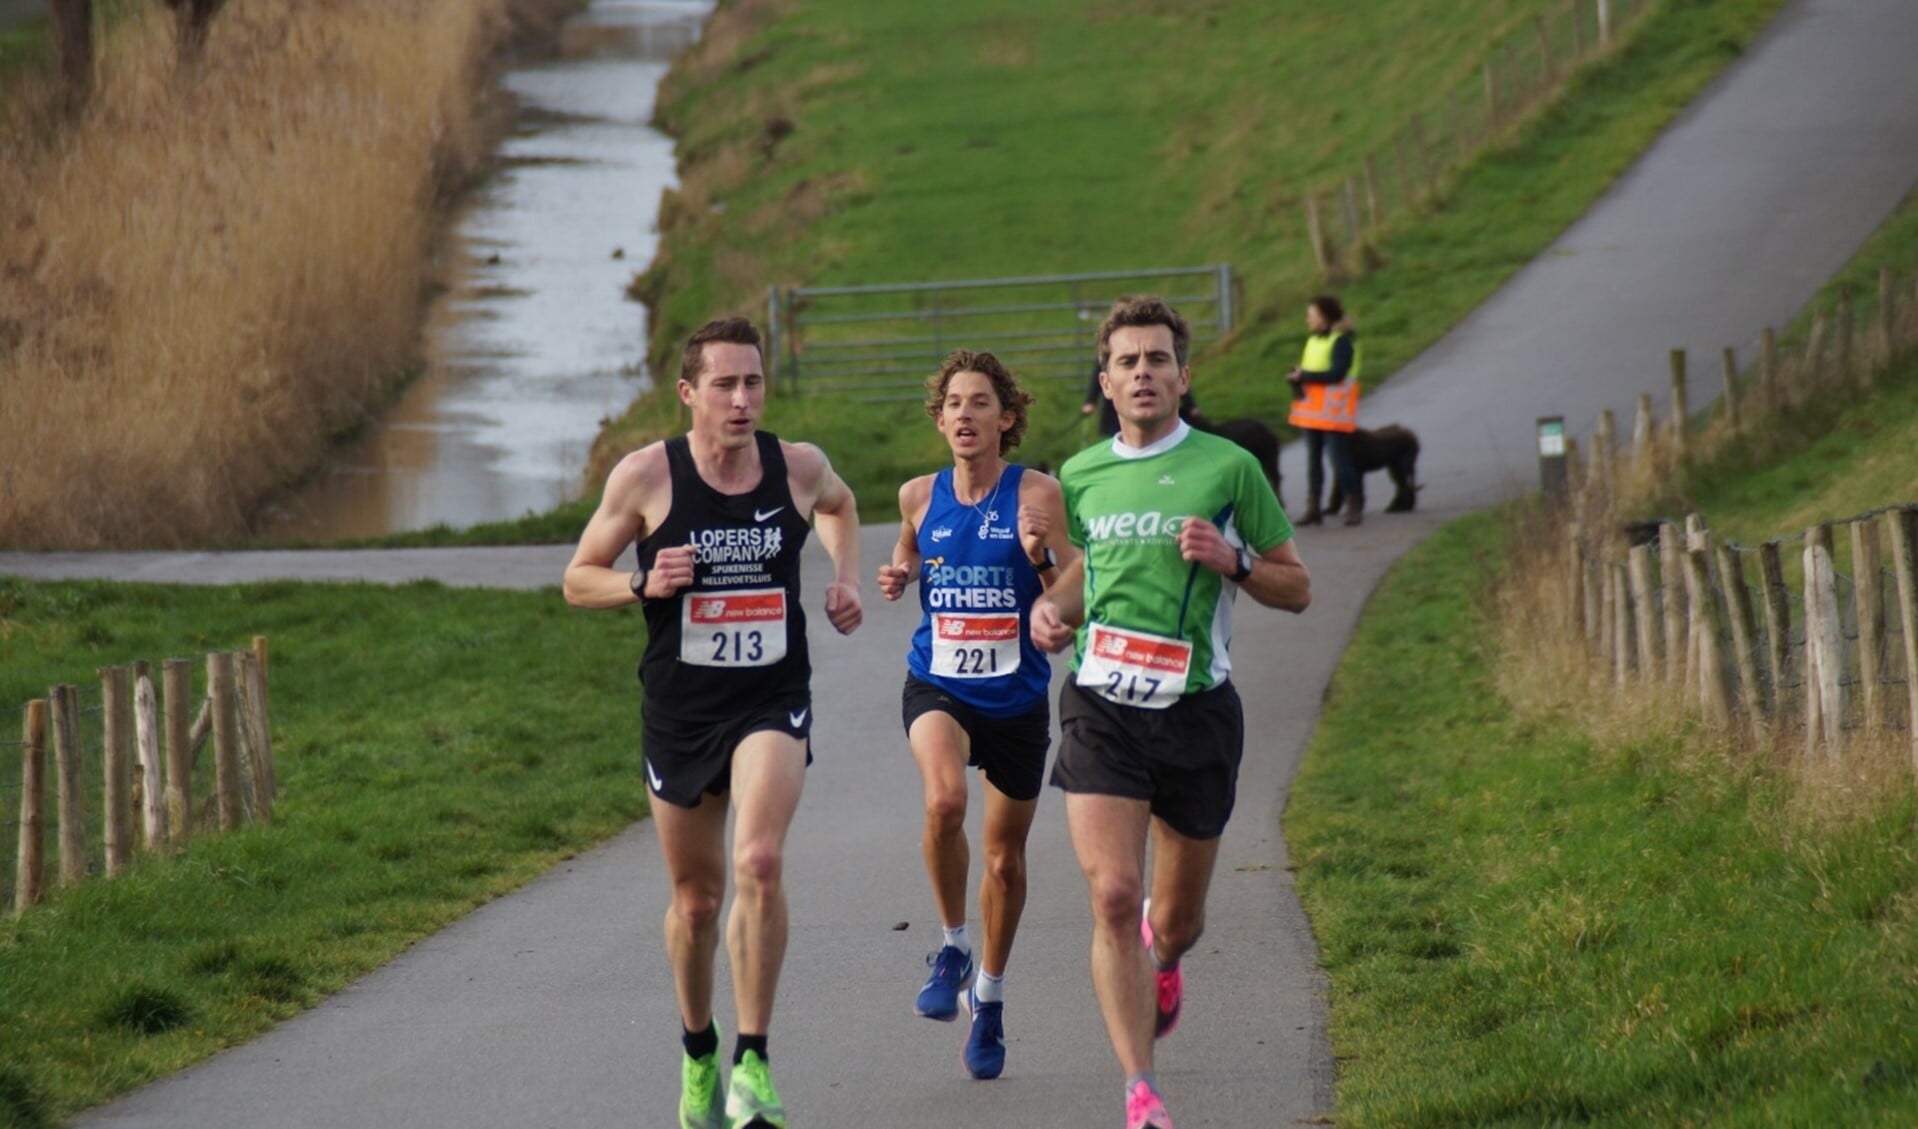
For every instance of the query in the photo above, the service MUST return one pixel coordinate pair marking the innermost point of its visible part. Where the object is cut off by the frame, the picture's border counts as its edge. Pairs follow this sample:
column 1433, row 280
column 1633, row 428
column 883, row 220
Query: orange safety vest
column 1327, row 407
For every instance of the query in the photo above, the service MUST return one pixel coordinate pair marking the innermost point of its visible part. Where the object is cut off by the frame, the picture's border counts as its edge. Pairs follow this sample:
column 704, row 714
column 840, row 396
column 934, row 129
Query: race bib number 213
column 733, row 629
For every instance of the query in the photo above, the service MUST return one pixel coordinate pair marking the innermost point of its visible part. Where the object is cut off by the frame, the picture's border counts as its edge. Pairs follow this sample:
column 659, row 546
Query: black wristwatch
column 1244, row 571
column 638, row 583
column 1050, row 562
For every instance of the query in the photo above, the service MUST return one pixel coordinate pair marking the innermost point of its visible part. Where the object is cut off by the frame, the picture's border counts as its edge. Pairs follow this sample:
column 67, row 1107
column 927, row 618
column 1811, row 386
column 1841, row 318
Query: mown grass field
column 436, row 748
column 848, row 141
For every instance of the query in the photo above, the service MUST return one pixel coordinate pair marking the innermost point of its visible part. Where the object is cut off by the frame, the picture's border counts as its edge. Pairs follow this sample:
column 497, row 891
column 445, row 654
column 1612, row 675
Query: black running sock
column 699, row 1044
column 750, row 1043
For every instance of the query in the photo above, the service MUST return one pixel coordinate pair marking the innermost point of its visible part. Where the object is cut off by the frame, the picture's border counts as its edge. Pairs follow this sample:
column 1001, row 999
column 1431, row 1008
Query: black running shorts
column 1183, row 760
column 1011, row 750
column 686, row 760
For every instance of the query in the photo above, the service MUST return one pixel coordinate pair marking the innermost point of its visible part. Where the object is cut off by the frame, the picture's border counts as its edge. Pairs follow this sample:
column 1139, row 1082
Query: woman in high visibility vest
column 1325, row 406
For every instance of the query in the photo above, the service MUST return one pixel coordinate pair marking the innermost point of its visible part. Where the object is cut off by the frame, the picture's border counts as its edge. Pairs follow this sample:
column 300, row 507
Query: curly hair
column 1004, row 385
column 1144, row 310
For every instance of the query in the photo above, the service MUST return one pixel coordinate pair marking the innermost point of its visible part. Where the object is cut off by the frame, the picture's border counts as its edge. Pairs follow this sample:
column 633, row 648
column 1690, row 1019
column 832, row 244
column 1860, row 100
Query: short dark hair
column 729, row 331
column 1004, row 385
column 1329, row 308
column 1143, row 310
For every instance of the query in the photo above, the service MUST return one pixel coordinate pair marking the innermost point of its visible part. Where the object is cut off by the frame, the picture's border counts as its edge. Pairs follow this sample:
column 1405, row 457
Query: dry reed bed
column 209, row 274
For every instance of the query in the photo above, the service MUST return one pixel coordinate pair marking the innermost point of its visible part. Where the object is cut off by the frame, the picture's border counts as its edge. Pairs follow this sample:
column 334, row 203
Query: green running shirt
column 1124, row 508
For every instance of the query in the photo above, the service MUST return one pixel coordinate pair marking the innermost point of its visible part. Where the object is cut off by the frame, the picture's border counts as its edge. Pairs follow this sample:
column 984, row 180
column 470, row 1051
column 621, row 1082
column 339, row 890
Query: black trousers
column 1337, row 445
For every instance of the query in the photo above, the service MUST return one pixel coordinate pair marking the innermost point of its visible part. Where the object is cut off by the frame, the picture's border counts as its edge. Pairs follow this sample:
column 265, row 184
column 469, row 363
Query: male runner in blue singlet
column 982, row 537
column 718, row 517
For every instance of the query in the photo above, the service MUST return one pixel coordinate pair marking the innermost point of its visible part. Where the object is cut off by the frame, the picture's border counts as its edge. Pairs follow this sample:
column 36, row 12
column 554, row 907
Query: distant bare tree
column 190, row 20
column 73, row 44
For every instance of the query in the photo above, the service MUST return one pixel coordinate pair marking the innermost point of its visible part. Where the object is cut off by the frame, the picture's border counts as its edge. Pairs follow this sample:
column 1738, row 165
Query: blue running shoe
column 985, row 1053
column 939, row 999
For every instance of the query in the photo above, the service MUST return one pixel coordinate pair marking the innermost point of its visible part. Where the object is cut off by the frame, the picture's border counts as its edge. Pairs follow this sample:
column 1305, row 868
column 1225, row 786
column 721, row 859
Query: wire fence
column 104, row 773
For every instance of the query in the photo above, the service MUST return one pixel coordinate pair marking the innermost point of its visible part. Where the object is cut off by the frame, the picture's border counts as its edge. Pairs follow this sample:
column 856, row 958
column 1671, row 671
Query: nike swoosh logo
column 653, row 777
column 758, row 516
column 799, row 719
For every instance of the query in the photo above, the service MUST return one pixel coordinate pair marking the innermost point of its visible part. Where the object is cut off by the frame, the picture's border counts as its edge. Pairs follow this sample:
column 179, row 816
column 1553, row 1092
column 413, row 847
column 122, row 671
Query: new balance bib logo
column 762, row 515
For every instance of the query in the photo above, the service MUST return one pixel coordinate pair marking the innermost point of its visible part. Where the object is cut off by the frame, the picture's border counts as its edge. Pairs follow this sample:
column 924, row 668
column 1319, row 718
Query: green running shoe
column 700, row 1103
column 751, row 1100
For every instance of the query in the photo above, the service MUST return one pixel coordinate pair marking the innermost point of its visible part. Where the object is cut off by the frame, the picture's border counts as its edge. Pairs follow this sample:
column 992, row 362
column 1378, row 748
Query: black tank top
column 737, row 636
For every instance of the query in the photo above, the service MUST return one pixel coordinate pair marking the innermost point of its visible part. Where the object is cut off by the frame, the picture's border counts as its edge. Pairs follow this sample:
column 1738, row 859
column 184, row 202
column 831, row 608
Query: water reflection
column 533, row 343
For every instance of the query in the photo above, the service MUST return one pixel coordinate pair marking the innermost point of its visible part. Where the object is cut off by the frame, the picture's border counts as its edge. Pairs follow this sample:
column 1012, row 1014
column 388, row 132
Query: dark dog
column 1255, row 437
column 1393, row 449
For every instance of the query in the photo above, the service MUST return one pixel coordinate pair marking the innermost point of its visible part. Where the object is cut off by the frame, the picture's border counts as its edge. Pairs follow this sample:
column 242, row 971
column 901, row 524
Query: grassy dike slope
column 405, row 803
column 849, row 141
column 1538, row 915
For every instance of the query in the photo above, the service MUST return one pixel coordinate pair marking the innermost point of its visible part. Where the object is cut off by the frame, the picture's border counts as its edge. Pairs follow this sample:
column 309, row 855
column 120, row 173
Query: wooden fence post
column 1713, row 695
column 1605, row 452
column 1604, row 23
column 116, row 696
column 1595, row 610
column 177, row 675
column 1621, row 625
column 1731, row 388
column 1738, row 605
column 1902, row 524
column 1643, row 434
column 1546, row 66
column 1868, row 600
column 1354, row 235
column 147, row 761
column 259, row 734
column 1321, row 254
column 1777, row 624
column 70, row 784
column 1671, row 578
column 1681, row 407
column 1644, row 614
column 226, row 740
column 1608, row 621
column 1824, row 671
column 1814, row 348
column 30, row 865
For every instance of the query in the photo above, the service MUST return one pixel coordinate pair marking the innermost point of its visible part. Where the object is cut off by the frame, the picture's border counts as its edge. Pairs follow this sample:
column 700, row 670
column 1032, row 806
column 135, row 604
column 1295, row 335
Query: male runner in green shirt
column 1174, row 523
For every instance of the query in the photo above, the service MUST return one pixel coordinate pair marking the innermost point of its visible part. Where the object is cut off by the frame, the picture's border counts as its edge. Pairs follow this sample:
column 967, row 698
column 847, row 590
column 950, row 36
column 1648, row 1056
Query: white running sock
column 989, row 989
column 958, row 938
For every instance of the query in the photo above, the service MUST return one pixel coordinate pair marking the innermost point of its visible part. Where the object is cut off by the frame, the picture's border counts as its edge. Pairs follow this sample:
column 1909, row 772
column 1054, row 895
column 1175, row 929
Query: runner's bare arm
column 1042, row 524
column 896, row 574
column 635, row 486
column 836, row 519
column 1278, row 579
column 1056, row 616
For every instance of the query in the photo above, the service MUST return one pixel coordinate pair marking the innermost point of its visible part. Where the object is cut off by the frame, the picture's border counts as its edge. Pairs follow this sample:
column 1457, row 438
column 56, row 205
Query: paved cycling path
column 552, row 1007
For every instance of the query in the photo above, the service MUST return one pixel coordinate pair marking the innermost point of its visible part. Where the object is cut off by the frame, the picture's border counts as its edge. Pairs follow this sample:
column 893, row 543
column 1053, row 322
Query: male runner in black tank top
column 718, row 518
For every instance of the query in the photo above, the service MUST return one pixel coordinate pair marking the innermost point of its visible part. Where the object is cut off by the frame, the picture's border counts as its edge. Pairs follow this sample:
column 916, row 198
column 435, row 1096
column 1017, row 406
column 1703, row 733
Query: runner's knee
column 1006, row 864
column 1116, row 899
column 697, row 904
column 946, row 811
column 757, row 865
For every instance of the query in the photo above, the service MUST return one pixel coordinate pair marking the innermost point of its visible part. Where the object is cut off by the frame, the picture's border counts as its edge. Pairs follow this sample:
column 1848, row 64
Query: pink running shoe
column 1144, row 1110
column 1170, row 982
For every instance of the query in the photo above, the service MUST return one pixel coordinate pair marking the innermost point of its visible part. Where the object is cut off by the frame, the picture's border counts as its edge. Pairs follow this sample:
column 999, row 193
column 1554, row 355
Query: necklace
column 984, row 507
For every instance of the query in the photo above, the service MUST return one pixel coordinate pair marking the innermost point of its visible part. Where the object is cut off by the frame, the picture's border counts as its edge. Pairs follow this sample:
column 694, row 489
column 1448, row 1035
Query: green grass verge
column 436, row 748
column 984, row 139
column 1523, row 930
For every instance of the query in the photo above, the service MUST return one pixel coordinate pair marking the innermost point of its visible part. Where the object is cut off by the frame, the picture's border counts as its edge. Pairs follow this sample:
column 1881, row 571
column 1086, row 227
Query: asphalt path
column 553, row 1006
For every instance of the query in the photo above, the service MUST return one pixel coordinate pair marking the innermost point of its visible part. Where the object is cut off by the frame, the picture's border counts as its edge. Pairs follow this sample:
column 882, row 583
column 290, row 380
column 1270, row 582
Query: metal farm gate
column 881, row 342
